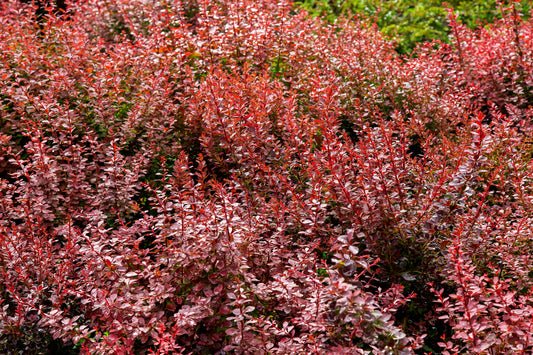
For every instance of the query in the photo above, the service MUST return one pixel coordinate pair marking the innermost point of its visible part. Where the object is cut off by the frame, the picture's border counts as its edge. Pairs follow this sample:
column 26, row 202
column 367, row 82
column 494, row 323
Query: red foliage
column 207, row 177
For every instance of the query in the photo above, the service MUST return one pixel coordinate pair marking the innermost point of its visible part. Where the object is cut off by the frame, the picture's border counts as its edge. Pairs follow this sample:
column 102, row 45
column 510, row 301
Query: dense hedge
column 217, row 177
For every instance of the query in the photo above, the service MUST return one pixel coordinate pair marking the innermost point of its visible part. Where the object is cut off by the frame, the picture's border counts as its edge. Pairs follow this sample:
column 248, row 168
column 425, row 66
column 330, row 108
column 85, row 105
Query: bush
column 410, row 22
column 211, row 177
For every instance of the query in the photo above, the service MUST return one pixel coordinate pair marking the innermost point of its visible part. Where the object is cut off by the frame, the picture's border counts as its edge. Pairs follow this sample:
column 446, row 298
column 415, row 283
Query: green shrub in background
column 411, row 22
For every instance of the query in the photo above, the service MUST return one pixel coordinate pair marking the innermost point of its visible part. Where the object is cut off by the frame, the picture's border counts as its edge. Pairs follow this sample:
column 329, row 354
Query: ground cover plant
column 215, row 177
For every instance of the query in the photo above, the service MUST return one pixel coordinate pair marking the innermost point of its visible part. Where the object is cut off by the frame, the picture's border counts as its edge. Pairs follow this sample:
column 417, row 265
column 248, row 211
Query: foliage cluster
column 411, row 22
column 211, row 177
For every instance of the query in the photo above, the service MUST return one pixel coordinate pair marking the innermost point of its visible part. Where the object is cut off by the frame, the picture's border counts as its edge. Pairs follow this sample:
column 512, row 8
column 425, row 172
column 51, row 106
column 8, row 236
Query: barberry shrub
column 237, row 177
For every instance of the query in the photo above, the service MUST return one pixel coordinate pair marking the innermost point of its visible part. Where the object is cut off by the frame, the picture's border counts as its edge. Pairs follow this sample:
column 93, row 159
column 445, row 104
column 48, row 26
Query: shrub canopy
column 236, row 176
